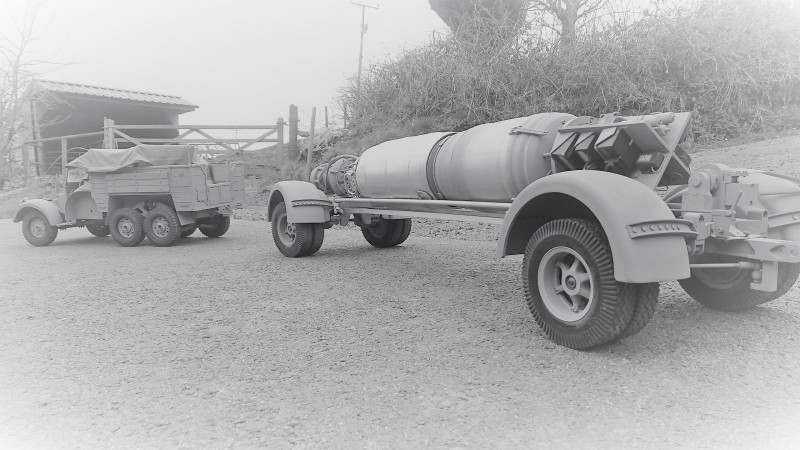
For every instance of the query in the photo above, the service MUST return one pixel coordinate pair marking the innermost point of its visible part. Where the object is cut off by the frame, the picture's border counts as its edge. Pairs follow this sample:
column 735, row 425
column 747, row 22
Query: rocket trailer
column 162, row 192
column 603, row 210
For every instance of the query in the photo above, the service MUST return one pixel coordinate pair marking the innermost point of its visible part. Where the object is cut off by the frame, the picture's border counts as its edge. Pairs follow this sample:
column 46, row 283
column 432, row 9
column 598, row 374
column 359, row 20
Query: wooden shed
column 67, row 109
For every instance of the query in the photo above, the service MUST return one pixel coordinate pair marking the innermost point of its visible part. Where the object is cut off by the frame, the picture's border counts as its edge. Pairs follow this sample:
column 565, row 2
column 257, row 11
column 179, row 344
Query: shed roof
column 121, row 94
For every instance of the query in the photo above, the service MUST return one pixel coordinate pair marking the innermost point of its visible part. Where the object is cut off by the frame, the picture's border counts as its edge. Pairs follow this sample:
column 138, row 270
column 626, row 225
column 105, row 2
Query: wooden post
column 41, row 169
column 310, row 151
column 63, row 155
column 108, row 133
column 294, row 151
column 26, row 164
column 326, row 118
column 279, row 129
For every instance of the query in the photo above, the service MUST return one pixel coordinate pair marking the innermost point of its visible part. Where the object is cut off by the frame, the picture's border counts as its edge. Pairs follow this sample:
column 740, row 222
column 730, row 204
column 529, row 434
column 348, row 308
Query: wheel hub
column 125, row 227
column 38, row 228
column 565, row 284
column 161, row 227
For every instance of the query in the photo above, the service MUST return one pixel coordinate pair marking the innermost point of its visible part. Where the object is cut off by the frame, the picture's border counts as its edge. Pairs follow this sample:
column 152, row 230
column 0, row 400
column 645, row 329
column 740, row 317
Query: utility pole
column 361, row 45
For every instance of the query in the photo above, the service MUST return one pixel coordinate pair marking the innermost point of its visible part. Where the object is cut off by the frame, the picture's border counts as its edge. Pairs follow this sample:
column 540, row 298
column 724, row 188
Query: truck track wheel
column 162, row 226
column 99, row 230
column 387, row 232
column 293, row 239
column 127, row 227
column 37, row 229
column 729, row 289
column 568, row 275
column 216, row 226
column 188, row 230
column 643, row 309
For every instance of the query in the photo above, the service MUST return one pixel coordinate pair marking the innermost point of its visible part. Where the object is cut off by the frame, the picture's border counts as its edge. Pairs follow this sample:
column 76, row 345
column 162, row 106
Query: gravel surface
column 226, row 343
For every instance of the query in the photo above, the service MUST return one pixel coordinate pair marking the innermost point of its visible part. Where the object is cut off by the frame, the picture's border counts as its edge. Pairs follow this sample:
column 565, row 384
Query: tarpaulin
column 111, row 160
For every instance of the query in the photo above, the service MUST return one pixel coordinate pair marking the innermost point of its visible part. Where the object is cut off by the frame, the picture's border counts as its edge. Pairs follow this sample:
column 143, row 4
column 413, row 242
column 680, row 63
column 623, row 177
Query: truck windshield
column 76, row 175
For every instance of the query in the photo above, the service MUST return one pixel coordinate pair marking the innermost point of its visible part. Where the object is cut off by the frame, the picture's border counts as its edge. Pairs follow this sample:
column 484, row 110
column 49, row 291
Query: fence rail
column 202, row 135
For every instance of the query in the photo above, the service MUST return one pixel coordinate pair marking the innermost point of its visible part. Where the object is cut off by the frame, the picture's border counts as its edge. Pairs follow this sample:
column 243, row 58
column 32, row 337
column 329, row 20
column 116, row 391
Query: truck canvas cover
column 112, row 160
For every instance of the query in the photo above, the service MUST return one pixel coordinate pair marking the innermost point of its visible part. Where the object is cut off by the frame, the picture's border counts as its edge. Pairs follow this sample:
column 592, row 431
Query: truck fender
column 647, row 242
column 304, row 202
column 81, row 205
column 46, row 207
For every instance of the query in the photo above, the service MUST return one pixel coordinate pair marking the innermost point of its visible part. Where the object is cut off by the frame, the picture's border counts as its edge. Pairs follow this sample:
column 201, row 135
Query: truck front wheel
column 295, row 239
column 37, row 229
column 99, row 230
column 387, row 232
column 569, row 285
column 162, row 226
column 216, row 226
column 127, row 227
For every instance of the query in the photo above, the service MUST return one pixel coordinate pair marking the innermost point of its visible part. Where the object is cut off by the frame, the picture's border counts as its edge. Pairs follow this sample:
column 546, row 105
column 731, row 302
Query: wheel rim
column 160, row 227
column 126, row 227
column 286, row 231
column 565, row 284
column 38, row 228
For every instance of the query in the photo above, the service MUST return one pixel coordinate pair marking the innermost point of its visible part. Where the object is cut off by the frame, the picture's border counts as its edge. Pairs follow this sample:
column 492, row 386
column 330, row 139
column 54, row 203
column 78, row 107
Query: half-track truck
column 162, row 192
column 603, row 210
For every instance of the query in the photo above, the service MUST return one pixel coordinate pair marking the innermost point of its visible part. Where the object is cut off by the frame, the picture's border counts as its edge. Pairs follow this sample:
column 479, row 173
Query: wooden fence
column 202, row 136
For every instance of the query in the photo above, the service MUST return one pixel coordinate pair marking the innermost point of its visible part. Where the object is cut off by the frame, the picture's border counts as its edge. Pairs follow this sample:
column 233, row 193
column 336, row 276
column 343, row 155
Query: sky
column 242, row 61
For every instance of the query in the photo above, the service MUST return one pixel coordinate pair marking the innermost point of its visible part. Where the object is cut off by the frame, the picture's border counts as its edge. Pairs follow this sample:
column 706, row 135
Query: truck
column 161, row 192
column 603, row 209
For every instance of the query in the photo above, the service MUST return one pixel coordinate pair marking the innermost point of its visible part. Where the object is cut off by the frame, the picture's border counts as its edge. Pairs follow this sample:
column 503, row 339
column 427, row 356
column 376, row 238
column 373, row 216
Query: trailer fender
column 647, row 242
column 46, row 207
column 304, row 202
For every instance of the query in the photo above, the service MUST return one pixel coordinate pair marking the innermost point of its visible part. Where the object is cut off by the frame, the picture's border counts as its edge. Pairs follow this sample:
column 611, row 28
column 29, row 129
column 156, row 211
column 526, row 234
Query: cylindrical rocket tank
column 490, row 162
column 496, row 161
column 397, row 168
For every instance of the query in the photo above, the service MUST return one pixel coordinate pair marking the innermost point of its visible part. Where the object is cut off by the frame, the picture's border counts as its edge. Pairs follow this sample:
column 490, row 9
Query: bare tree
column 16, row 75
column 567, row 14
column 473, row 18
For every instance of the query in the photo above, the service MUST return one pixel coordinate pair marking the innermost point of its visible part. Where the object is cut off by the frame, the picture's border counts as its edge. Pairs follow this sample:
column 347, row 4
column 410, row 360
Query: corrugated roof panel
column 123, row 94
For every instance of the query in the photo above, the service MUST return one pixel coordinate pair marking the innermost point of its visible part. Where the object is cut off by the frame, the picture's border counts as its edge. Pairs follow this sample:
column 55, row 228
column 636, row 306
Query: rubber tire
column 787, row 277
column 173, row 226
column 387, row 232
column 216, row 226
column 643, row 309
column 137, row 235
column 188, row 230
column 50, row 232
column 99, row 230
column 614, row 301
column 304, row 238
column 738, row 296
column 318, row 235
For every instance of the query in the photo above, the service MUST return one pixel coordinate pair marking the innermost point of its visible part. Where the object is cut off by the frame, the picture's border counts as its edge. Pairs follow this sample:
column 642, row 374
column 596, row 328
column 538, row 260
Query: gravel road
column 225, row 343
column 219, row 343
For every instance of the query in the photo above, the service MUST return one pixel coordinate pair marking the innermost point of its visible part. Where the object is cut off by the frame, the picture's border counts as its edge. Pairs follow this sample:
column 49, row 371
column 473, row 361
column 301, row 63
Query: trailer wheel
column 643, row 308
column 569, row 285
column 293, row 239
column 37, row 229
column 216, row 226
column 318, row 233
column 99, row 230
column 188, row 230
column 387, row 232
column 127, row 227
column 729, row 289
column 162, row 226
